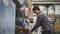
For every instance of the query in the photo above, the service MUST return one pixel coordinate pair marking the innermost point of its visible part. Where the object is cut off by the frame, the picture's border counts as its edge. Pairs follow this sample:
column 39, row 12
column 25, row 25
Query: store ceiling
column 46, row 0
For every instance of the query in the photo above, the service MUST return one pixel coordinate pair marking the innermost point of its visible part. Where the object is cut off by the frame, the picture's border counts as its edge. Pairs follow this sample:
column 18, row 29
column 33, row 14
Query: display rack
column 20, row 14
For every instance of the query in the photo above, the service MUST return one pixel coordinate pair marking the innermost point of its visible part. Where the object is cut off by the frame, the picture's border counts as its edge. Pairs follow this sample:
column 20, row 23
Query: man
column 43, row 21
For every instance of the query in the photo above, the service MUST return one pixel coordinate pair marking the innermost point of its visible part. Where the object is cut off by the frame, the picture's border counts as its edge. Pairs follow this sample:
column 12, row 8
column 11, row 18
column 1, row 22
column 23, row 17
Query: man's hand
column 30, row 32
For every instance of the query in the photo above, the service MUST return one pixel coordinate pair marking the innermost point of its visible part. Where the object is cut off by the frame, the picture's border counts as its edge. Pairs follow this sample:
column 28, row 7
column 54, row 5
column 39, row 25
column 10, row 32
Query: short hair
column 35, row 7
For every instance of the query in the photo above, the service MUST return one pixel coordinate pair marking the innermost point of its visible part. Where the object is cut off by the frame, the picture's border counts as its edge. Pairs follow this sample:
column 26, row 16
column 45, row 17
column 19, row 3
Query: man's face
column 36, row 11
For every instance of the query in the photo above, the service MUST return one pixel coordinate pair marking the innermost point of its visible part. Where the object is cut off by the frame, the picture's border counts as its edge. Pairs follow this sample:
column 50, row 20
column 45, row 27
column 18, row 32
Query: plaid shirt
column 43, row 21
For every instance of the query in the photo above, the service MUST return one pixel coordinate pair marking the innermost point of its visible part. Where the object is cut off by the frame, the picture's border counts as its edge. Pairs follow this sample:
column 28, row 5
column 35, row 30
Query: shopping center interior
column 13, row 14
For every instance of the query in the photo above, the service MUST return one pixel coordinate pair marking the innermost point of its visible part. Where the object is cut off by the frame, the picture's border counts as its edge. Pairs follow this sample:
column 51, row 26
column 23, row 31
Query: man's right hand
column 30, row 32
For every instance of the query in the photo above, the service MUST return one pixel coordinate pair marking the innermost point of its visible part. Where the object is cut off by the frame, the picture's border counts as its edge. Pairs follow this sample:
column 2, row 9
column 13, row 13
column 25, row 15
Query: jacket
column 43, row 21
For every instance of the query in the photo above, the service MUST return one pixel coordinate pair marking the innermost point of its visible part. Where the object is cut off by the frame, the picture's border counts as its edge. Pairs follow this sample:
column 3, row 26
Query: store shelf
column 45, row 2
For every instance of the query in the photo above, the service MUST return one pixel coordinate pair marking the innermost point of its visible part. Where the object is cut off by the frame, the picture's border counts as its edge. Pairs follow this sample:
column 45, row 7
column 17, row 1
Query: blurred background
column 15, row 13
